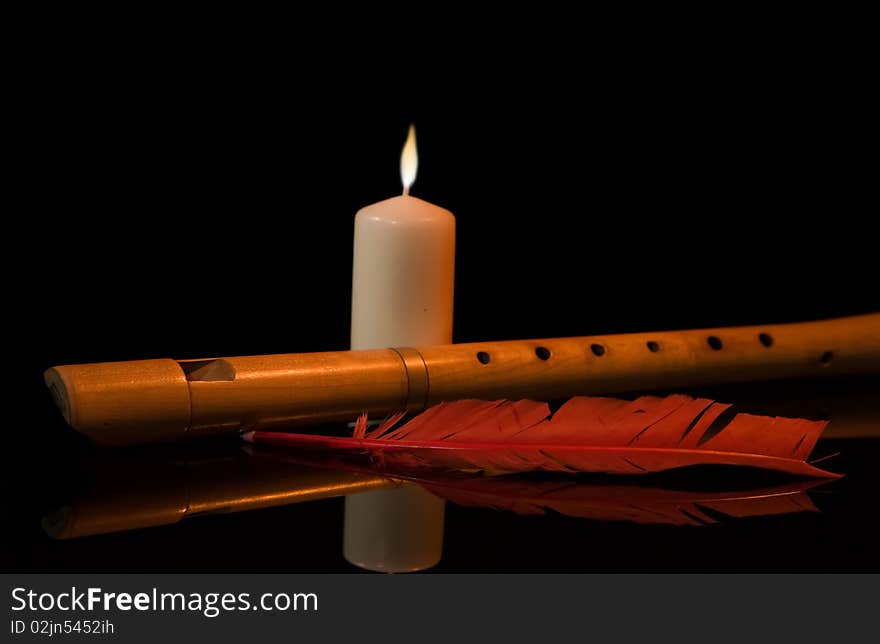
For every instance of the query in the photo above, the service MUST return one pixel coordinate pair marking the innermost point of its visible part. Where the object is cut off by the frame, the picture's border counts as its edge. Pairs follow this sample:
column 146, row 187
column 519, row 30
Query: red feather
column 586, row 434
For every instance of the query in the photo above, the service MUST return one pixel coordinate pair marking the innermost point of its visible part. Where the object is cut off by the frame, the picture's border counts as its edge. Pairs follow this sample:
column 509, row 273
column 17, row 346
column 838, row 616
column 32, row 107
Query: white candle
column 404, row 262
column 402, row 293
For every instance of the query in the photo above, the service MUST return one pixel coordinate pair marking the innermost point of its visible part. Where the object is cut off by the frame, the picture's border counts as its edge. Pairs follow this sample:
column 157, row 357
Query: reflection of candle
column 402, row 287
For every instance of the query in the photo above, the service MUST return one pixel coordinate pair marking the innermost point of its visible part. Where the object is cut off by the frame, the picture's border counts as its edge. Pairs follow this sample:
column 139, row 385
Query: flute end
column 121, row 403
column 59, row 392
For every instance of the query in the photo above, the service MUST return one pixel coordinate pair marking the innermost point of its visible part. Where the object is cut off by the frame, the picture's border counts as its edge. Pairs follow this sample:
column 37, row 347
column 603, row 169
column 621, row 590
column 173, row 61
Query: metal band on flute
column 144, row 401
column 418, row 383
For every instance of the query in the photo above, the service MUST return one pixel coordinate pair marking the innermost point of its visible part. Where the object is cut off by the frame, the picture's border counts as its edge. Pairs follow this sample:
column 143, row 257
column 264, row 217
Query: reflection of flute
column 137, row 494
column 157, row 400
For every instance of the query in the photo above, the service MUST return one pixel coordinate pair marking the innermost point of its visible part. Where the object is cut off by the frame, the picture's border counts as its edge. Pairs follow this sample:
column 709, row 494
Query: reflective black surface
column 188, row 508
column 641, row 187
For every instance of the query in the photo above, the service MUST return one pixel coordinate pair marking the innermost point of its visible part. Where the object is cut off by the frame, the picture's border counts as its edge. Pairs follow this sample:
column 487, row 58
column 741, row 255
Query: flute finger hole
column 543, row 353
column 715, row 342
column 598, row 350
column 483, row 357
column 766, row 339
column 826, row 358
column 653, row 347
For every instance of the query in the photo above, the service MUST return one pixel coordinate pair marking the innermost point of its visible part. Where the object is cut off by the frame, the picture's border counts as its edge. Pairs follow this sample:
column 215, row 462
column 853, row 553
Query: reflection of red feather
column 577, row 497
column 625, row 502
column 649, row 434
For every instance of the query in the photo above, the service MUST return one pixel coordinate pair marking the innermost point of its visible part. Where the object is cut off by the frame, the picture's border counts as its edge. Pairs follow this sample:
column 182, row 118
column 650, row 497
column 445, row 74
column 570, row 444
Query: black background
column 199, row 201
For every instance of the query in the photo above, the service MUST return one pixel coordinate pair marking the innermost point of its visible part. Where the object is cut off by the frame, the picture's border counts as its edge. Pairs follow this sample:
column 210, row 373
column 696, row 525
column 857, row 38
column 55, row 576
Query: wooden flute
column 143, row 401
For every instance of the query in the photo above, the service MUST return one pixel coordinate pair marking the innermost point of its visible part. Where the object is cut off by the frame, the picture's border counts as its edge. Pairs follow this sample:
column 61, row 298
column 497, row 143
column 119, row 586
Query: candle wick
column 406, row 191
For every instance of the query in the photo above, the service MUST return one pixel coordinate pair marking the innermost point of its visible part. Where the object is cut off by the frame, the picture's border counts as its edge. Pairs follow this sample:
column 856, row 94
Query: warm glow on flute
column 145, row 401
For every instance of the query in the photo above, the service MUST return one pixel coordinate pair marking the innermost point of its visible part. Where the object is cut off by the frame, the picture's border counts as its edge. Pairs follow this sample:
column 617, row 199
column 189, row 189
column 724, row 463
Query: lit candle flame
column 409, row 160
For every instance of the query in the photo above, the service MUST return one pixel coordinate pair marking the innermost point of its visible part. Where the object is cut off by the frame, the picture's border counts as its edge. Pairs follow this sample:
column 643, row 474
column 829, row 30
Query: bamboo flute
column 144, row 401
